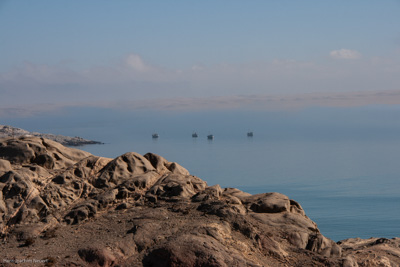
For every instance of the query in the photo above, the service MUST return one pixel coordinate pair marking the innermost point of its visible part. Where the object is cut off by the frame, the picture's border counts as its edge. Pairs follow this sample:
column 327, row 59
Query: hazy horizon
column 185, row 56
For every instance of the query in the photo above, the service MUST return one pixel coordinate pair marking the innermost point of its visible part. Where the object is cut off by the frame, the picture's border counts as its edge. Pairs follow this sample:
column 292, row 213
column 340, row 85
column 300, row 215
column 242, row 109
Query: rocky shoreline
column 61, row 206
column 9, row 131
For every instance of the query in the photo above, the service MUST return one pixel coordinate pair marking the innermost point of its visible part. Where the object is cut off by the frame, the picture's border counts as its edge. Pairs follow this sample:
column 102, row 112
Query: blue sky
column 181, row 53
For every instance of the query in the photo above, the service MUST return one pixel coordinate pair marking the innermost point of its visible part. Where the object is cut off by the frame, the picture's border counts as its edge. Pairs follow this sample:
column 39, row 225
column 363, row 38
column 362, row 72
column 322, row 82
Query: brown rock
column 242, row 196
column 269, row 203
column 145, row 211
column 371, row 252
column 44, row 152
column 97, row 257
column 158, row 162
column 122, row 168
column 189, row 250
column 210, row 193
column 5, row 166
column 178, row 185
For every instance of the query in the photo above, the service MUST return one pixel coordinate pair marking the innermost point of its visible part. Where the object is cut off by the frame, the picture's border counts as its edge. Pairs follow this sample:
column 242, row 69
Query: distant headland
column 10, row 131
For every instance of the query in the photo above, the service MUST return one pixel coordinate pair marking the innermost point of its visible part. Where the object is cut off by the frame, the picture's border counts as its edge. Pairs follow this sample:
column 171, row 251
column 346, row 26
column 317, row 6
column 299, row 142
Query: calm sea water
column 342, row 165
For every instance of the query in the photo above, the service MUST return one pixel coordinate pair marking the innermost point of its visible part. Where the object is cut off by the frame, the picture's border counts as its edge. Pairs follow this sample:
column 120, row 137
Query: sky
column 194, row 55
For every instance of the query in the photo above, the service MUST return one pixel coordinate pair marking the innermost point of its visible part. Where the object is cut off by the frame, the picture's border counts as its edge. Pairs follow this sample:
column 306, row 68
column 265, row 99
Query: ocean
column 341, row 164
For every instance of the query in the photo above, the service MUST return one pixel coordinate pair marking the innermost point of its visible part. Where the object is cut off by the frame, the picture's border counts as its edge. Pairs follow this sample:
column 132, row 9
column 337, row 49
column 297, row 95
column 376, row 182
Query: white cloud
column 136, row 62
column 345, row 54
column 197, row 67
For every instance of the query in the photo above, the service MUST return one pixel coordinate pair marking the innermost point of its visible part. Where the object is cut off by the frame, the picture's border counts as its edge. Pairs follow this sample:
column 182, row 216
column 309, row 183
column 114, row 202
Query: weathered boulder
column 234, row 192
column 371, row 252
column 106, row 198
column 178, row 185
column 269, row 203
column 88, row 167
column 209, row 193
column 141, row 182
column 122, row 168
column 5, row 166
column 158, row 162
column 175, row 168
column 15, row 189
column 323, row 246
column 43, row 152
column 81, row 212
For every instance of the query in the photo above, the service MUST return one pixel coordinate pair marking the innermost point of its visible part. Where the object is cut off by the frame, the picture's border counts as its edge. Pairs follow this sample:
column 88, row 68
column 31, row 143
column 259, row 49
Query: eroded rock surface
column 67, row 207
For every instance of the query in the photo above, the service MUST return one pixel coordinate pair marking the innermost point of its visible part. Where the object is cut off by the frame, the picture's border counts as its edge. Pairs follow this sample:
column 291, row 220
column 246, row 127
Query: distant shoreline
column 10, row 131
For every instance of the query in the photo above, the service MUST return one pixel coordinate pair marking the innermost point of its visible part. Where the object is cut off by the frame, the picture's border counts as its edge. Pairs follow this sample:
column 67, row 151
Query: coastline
column 10, row 131
column 146, row 211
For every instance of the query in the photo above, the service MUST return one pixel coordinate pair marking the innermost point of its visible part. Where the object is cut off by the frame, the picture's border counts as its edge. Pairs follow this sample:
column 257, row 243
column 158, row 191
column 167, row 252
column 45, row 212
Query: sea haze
column 341, row 164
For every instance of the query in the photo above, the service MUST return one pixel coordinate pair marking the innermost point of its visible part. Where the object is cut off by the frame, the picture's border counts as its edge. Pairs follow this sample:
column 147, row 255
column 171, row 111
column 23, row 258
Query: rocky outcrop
column 9, row 131
column 72, row 208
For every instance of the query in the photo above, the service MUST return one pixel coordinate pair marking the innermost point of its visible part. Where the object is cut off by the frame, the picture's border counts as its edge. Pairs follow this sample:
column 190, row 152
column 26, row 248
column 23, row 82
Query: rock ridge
column 9, row 131
column 67, row 207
